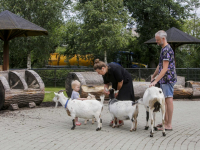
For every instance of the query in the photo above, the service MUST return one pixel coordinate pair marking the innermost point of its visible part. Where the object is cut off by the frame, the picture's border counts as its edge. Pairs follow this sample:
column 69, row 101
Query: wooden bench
column 20, row 87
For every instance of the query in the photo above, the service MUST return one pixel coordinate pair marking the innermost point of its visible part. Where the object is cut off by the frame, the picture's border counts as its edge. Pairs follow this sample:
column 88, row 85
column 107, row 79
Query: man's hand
column 153, row 83
column 152, row 78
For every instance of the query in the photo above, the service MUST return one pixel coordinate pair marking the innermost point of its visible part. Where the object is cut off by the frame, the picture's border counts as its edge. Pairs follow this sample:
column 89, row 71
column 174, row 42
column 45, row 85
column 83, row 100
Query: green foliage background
column 100, row 26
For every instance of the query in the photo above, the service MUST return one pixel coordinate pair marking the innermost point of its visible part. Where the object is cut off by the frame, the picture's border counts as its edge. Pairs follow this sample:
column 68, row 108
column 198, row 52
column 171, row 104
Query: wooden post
column 5, row 56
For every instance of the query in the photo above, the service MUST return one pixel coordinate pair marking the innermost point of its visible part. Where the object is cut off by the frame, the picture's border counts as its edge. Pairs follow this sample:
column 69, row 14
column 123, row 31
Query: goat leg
column 117, row 120
column 154, row 123
column 85, row 122
column 74, row 125
column 132, row 122
column 114, row 122
column 135, row 128
column 93, row 120
column 151, row 116
column 163, row 119
column 147, row 119
column 99, row 124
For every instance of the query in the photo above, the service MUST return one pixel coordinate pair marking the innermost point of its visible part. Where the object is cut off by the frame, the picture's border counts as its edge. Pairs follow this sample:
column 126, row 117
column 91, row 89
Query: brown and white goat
column 153, row 99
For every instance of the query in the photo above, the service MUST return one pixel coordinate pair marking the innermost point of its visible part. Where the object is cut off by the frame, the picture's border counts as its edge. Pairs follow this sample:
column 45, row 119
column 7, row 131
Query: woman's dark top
column 117, row 73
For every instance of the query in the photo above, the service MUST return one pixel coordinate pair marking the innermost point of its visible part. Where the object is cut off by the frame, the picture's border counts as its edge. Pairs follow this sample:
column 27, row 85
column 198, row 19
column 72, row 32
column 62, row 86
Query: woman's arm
column 119, row 86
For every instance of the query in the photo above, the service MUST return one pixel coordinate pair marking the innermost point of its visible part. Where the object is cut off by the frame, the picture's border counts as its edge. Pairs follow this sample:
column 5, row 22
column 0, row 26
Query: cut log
column 93, row 83
column 195, row 88
column 139, row 89
column 96, row 90
column 183, row 92
column 21, row 88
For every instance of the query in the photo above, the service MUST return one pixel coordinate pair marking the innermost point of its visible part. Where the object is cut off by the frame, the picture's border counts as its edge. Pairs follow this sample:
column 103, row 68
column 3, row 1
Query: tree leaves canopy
column 101, row 27
column 45, row 13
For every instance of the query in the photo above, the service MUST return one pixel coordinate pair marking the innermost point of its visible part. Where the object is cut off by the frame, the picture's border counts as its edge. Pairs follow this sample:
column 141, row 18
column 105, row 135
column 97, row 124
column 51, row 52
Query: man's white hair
column 161, row 34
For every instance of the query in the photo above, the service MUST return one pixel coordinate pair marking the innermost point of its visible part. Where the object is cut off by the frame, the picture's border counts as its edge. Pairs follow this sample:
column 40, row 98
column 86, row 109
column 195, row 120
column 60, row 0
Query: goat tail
column 140, row 101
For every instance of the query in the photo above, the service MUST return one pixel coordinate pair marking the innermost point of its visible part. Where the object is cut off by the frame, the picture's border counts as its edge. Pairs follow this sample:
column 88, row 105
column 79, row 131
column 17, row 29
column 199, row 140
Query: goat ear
column 89, row 94
column 55, row 93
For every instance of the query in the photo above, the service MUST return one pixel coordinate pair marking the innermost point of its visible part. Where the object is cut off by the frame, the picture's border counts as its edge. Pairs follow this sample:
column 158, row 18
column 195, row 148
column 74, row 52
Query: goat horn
column 61, row 91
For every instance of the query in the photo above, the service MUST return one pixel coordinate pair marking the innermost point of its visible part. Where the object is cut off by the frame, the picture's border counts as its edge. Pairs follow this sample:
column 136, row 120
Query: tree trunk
column 29, row 61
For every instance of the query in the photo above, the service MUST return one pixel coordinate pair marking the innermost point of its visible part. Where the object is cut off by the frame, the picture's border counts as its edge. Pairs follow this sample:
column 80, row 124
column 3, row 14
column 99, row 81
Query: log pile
column 20, row 88
column 93, row 83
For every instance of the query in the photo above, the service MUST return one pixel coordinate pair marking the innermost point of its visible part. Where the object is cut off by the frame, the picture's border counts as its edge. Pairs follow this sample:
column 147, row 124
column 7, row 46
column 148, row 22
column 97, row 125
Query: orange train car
column 57, row 59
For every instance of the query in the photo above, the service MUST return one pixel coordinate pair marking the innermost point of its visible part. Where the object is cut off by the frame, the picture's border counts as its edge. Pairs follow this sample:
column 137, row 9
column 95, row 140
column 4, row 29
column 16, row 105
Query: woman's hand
column 106, row 91
column 116, row 94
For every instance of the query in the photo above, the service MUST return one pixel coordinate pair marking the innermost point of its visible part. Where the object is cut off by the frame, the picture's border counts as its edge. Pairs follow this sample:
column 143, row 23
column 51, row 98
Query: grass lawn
column 49, row 93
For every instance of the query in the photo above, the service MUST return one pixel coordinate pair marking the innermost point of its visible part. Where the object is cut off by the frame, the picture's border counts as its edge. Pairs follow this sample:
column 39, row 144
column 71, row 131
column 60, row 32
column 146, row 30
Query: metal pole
column 55, row 77
column 139, row 74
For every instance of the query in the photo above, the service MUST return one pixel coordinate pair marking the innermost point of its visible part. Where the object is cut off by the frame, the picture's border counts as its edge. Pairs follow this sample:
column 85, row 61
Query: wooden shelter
column 176, row 38
column 12, row 26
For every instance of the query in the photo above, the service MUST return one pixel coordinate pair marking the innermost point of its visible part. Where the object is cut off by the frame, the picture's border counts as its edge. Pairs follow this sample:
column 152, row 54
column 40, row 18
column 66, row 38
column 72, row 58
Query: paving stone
column 48, row 128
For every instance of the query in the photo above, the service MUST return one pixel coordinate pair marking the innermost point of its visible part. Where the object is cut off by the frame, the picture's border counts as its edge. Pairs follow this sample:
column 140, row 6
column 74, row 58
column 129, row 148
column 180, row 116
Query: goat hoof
column 164, row 134
column 134, row 129
column 151, row 135
column 131, row 130
column 72, row 128
column 113, row 126
column 155, row 128
column 146, row 128
column 98, row 129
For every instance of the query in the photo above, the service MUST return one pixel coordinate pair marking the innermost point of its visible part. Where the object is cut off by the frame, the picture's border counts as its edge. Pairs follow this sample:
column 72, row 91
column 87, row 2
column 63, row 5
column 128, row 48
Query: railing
column 56, row 76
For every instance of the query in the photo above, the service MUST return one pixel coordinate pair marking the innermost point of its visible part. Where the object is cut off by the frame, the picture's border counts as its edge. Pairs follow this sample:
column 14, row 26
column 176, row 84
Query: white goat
column 153, row 99
column 86, row 109
column 123, row 110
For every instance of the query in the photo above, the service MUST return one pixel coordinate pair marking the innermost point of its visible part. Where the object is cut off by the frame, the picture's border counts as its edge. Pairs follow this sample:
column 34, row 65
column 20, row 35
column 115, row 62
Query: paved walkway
column 47, row 128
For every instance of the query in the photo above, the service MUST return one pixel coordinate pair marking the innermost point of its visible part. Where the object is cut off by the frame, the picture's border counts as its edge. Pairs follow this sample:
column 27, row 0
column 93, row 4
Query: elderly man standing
column 167, row 77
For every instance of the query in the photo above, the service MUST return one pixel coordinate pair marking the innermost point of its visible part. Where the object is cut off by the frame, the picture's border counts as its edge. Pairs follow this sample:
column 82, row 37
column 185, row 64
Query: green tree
column 100, row 28
column 188, row 55
column 151, row 16
column 45, row 13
